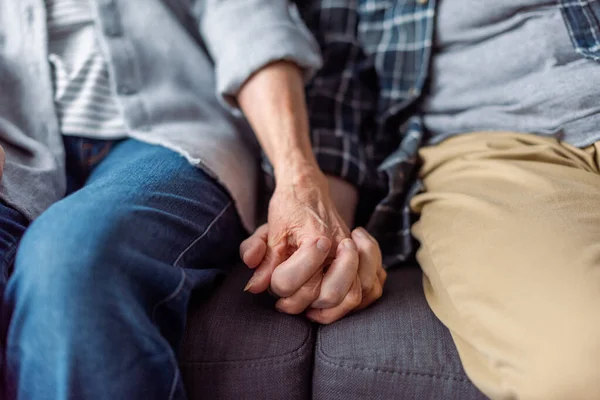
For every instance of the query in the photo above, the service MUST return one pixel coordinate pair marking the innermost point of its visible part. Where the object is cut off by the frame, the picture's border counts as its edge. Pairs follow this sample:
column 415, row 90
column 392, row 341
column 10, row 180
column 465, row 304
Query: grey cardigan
column 176, row 65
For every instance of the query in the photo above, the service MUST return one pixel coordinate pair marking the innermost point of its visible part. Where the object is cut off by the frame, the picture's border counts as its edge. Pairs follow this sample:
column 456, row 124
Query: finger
column 303, row 298
column 382, row 276
column 339, row 277
column 374, row 295
column 253, row 249
column 370, row 258
column 289, row 277
column 261, row 279
column 329, row 315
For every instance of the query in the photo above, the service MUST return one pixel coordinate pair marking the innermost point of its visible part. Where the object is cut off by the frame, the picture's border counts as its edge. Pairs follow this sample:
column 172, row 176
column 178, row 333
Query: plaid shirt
column 363, row 104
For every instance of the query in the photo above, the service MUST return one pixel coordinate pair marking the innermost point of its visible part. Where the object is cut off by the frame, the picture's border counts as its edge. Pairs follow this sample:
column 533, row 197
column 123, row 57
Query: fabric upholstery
column 236, row 346
column 396, row 349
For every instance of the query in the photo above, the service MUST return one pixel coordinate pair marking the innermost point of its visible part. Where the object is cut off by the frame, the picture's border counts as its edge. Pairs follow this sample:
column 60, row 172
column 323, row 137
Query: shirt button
column 413, row 91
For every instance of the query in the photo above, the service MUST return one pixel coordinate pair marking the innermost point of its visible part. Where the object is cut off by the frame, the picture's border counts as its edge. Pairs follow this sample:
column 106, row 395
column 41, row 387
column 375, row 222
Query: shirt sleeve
column 341, row 97
column 242, row 36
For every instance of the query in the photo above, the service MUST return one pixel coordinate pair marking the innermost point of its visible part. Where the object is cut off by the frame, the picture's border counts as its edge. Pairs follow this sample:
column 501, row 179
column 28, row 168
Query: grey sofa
column 237, row 346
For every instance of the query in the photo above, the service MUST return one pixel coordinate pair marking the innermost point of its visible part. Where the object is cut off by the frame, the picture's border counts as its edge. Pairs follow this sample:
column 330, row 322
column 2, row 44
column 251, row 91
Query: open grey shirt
column 510, row 66
column 175, row 66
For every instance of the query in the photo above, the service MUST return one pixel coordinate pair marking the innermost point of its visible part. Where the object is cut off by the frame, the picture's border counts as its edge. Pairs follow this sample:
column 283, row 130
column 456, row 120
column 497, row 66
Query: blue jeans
column 96, row 305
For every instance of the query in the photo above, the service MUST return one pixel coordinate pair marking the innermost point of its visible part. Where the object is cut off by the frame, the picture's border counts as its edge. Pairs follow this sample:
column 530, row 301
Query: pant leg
column 102, row 279
column 510, row 247
column 12, row 227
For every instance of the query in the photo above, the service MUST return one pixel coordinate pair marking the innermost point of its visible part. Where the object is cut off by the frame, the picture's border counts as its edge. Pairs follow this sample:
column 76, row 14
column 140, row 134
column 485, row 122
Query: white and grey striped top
column 83, row 94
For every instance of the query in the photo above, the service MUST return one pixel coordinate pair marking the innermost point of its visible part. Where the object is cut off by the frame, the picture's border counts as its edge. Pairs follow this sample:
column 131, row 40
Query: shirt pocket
column 582, row 18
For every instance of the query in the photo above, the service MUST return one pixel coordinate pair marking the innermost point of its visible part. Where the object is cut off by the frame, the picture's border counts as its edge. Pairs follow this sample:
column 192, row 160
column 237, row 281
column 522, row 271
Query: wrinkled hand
column 307, row 256
column 304, row 231
column 368, row 287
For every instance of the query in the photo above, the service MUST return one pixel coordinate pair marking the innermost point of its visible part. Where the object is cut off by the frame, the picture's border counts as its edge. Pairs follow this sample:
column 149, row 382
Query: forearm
column 274, row 104
column 273, row 101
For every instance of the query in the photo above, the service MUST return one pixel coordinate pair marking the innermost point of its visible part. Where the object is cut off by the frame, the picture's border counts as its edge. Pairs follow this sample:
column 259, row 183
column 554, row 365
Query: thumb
column 254, row 249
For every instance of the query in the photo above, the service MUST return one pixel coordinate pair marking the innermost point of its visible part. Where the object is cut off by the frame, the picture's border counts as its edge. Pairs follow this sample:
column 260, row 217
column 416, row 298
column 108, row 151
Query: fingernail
column 349, row 244
column 249, row 285
column 324, row 245
column 361, row 233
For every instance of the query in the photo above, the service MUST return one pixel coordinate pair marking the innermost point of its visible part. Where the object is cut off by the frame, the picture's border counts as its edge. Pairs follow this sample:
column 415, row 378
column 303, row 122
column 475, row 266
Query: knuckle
column 330, row 299
column 281, row 287
column 367, row 283
column 354, row 298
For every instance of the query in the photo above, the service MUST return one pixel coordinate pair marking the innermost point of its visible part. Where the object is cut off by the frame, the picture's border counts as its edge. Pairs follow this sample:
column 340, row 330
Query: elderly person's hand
column 309, row 258
column 308, row 222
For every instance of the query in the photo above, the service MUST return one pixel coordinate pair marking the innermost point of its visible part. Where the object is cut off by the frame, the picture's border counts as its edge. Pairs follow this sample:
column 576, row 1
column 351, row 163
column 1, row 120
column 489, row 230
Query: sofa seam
column 322, row 356
column 403, row 373
column 254, row 363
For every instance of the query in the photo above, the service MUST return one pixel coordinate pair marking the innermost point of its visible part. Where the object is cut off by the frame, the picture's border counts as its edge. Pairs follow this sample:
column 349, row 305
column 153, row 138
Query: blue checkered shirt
column 363, row 104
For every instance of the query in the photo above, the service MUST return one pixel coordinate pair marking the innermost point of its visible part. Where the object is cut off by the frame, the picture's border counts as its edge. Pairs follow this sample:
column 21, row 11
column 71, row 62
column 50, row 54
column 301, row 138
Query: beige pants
column 510, row 248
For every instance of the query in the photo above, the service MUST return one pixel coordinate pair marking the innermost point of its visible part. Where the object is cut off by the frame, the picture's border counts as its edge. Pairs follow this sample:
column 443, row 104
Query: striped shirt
column 83, row 93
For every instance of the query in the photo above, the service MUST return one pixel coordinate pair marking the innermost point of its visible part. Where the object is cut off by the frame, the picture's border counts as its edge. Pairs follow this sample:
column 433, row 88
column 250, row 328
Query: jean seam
column 175, row 378
column 181, row 283
column 173, row 294
column 198, row 239
column 178, row 290
column 170, row 297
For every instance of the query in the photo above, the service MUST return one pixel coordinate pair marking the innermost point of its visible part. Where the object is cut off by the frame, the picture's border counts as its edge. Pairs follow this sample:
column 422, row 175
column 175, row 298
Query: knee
column 61, row 259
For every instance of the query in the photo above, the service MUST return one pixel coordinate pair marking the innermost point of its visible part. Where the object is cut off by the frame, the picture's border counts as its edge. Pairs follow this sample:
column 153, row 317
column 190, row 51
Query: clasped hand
column 308, row 257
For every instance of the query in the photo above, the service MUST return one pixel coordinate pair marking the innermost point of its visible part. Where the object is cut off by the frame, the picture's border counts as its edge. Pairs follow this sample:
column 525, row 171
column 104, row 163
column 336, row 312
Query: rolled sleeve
column 243, row 36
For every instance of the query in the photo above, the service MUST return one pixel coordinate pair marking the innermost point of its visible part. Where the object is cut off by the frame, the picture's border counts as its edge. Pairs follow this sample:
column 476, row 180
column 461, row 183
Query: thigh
column 146, row 229
column 102, row 279
column 155, row 201
column 510, row 245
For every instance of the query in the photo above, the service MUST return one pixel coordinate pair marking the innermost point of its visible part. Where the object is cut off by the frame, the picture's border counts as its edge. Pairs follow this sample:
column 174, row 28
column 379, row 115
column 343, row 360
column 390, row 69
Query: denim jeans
column 96, row 305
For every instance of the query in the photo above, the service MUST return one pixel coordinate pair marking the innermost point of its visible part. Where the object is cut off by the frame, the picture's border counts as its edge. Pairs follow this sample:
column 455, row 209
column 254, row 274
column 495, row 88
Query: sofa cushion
column 236, row 346
column 396, row 349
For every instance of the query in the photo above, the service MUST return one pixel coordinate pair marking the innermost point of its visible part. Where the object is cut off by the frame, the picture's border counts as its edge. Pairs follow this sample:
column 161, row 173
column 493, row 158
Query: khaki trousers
column 510, row 248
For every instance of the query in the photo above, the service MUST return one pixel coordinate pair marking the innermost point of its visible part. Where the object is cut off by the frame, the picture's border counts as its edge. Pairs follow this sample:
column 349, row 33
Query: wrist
column 298, row 169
